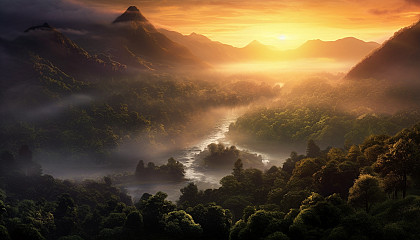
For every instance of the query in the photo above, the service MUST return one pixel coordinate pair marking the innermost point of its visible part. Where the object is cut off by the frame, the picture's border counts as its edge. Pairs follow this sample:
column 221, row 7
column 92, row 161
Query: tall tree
column 365, row 192
column 312, row 150
column 139, row 168
column 400, row 159
column 189, row 195
column 238, row 169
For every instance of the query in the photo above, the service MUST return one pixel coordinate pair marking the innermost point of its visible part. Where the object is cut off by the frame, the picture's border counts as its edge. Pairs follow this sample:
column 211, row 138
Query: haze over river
column 194, row 173
column 204, row 178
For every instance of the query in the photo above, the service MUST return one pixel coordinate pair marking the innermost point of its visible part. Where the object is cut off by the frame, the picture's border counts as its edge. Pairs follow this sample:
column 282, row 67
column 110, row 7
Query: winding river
column 194, row 173
column 204, row 178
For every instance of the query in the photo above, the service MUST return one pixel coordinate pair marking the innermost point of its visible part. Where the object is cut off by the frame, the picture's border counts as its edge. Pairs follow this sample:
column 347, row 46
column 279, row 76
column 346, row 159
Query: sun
column 281, row 37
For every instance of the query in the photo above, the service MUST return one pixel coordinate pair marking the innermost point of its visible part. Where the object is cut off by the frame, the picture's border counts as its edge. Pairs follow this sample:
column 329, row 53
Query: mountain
column 47, row 42
column 349, row 48
column 131, row 39
column 215, row 52
column 131, row 14
column 42, row 66
column 203, row 47
column 257, row 50
column 398, row 59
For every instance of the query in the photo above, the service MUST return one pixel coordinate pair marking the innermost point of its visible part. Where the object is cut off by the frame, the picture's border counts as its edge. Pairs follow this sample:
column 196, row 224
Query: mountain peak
column 133, row 8
column 132, row 14
column 254, row 43
column 44, row 27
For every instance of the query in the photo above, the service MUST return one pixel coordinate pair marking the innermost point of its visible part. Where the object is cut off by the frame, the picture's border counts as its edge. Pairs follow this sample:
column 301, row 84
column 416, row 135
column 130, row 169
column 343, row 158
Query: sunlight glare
column 281, row 37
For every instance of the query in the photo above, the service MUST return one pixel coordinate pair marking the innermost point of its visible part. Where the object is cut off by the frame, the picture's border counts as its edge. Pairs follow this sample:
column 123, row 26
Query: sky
column 284, row 24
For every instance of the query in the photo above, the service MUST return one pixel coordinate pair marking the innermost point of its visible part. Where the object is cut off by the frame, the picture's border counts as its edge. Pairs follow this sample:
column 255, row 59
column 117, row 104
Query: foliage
column 307, row 198
column 221, row 156
column 181, row 225
column 173, row 170
column 150, row 109
column 365, row 192
column 328, row 127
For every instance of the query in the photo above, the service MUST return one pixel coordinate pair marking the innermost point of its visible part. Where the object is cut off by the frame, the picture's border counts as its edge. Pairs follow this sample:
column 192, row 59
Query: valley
column 120, row 124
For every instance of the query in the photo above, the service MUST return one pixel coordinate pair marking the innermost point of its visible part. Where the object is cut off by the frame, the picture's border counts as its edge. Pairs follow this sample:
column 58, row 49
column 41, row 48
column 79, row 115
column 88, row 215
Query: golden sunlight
column 237, row 23
column 281, row 37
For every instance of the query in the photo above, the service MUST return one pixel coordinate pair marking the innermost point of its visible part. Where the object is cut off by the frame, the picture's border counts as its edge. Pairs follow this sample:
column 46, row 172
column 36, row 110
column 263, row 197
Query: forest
column 365, row 191
column 156, row 111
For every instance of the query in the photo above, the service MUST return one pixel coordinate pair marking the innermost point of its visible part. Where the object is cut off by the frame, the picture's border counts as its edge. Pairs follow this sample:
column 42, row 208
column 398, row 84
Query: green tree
column 354, row 153
column 114, row 220
column 154, row 208
column 277, row 236
column 189, row 195
column 336, row 154
column 238, row 169
column 214, row 220
column 181, row 225
column 134, row 221
column 312, row 150
column 372, row 153
column 289, row 164
column 365, row 192
column 4, row 234
column 400, row 159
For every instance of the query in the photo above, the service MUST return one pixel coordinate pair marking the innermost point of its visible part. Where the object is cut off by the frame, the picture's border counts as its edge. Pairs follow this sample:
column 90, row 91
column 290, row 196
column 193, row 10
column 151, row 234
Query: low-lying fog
column 302, row 83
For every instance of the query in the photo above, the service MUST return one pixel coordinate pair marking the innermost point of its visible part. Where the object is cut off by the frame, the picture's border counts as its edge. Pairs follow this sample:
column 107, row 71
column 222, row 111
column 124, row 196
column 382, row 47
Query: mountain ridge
column 399, row 54
column 216, row 52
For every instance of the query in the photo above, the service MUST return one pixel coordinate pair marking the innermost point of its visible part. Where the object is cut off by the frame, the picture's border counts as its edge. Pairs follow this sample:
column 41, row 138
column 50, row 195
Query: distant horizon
column 277, row 48
column 282, row 24
column 243, row 24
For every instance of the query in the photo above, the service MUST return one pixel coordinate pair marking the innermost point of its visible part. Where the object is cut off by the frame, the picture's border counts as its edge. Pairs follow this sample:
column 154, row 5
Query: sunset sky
column 281, row 23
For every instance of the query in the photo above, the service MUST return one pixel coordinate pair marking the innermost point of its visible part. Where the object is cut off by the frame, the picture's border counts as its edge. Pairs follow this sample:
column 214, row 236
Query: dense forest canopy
column 331, row 193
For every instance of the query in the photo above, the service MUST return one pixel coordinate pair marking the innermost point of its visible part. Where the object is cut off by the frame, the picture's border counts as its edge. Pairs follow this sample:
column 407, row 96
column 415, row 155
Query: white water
column 194, row 173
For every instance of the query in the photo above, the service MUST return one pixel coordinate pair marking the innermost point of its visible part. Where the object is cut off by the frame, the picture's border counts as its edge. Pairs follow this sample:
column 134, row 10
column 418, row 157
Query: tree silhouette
column 312, row 150
column 238, row 169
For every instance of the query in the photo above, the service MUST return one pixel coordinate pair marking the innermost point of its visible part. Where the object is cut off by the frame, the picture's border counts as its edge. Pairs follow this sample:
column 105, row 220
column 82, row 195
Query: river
column 204, row 178
column 194, row 173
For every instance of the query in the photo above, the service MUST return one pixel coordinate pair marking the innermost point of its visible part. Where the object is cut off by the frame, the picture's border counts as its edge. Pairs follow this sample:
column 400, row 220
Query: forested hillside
column 368, row 191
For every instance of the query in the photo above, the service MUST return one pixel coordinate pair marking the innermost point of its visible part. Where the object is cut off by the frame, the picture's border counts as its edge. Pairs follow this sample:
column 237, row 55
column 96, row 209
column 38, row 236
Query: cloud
column 416, row 2
column 235, row 22
column 54, row 109
column 379, row 11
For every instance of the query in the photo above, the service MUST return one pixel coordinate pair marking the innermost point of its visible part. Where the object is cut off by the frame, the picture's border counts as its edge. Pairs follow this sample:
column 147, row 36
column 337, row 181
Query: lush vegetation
column 296, row 125
column 53, row 111
column 173, row 170
column 366, row 191
column 218, row 156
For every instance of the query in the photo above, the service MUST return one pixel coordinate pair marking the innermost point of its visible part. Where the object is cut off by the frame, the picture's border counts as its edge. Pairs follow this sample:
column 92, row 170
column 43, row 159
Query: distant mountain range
column 131, row 41
column 215, row 52
column 398, row 59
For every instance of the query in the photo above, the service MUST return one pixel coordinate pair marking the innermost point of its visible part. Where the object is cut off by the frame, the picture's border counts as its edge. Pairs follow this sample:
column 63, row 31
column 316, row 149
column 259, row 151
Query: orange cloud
column 238, row 22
